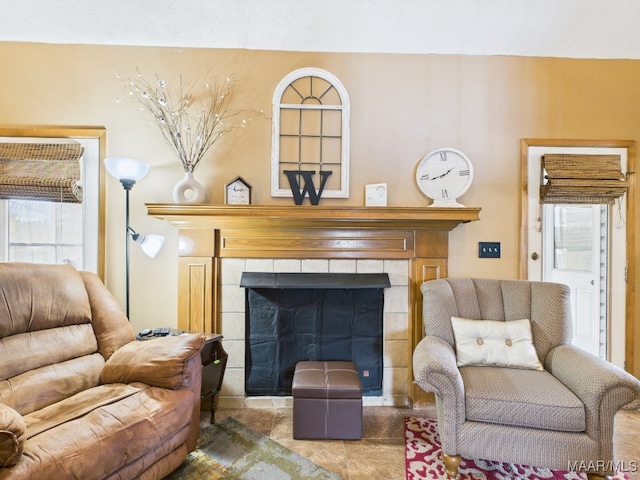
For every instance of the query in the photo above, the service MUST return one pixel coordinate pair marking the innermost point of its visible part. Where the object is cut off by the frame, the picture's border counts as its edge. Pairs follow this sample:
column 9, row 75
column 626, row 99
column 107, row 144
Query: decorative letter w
column 309, row 187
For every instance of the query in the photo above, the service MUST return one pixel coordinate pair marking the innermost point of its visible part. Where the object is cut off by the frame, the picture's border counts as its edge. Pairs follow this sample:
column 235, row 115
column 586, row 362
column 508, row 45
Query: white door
column 615, row 288
column 574, row 253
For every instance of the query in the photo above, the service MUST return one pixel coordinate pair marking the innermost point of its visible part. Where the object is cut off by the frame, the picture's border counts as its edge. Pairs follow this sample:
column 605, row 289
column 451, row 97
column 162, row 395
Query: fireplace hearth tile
column 315, row 265
column 342, row 266
column 287, row 265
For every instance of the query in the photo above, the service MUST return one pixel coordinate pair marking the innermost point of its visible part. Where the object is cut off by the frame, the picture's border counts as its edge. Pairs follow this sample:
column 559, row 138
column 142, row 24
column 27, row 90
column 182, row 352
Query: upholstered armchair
column 495, row 400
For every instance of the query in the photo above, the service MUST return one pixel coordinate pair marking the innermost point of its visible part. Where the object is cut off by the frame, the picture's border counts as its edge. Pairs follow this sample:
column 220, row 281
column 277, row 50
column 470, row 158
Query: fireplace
column 217, row 243
column 292, row 317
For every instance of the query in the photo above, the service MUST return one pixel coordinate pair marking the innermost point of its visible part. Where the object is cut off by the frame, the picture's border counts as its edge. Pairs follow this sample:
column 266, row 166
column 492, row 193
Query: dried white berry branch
column 190, row 119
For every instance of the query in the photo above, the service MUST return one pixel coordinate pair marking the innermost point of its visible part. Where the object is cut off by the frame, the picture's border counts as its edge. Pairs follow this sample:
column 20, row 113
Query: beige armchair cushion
column 533, row 399
column 494, row 343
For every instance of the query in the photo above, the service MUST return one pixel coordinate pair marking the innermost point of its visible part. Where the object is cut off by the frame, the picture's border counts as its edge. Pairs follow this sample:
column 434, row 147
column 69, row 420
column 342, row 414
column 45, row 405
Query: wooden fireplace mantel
column 271, row 217
column 209, row 233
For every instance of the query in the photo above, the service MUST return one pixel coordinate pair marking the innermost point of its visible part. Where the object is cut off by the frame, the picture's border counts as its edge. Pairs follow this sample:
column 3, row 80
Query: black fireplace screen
column 287, row 324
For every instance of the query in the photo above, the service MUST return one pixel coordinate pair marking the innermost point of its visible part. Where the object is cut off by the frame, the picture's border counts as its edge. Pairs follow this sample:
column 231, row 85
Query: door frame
column 632, row 365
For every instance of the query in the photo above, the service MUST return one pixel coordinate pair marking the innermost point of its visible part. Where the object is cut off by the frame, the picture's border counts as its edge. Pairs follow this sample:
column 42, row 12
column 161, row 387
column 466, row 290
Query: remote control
column 145, row 332
column 161, row 332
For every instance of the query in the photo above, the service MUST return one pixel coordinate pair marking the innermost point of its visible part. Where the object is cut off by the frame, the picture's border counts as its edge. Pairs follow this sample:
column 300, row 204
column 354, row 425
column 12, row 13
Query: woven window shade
column 575, row 178
column 41, row 171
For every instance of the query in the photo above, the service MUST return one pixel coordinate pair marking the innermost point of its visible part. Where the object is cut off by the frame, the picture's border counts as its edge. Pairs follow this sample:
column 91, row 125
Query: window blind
column 576, row 178
column 41, row 171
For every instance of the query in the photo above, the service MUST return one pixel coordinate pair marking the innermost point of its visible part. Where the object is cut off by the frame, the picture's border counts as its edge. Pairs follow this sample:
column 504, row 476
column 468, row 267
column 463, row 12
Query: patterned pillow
column 494, row 343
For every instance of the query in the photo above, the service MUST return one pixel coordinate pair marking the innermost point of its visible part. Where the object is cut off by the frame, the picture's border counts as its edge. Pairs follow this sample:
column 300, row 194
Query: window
column 310, row 134
column 577, row 234
column 44, row 231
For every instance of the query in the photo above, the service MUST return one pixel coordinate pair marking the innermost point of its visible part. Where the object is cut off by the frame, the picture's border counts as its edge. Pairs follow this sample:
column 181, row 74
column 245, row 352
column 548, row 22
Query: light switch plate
column 489, row 249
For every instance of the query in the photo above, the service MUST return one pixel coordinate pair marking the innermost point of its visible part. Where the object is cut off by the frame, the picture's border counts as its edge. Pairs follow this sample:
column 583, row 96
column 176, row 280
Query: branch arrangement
column 191, row 119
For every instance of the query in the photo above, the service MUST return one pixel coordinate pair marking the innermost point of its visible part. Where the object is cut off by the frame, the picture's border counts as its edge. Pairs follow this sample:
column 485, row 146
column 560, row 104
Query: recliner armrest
column 160, row 362
column 12, row 436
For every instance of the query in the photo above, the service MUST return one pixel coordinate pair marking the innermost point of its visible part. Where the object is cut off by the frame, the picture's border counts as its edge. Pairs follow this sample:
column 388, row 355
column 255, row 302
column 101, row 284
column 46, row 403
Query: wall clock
column 237, row 192
column 444, row 175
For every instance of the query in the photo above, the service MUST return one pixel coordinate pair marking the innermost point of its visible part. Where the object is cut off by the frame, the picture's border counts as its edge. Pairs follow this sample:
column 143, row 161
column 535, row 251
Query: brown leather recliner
column 79, row 396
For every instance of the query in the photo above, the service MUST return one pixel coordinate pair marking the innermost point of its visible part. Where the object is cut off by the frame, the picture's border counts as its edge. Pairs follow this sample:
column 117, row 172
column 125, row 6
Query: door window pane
column 573, row 237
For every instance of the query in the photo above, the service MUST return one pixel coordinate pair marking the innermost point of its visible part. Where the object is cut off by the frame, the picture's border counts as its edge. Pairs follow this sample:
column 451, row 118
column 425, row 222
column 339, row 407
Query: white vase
column 188, row 190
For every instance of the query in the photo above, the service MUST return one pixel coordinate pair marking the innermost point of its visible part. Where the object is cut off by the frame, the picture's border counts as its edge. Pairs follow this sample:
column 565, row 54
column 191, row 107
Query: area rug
column 423, row 453
column 230, row 450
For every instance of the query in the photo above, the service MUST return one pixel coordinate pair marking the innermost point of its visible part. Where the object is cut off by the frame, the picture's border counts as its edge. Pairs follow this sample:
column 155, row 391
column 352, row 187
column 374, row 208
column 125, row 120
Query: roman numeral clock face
column 444, row 175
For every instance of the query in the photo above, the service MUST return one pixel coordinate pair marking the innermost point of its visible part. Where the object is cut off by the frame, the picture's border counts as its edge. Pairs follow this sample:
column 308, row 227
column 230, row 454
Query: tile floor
column 380, row 453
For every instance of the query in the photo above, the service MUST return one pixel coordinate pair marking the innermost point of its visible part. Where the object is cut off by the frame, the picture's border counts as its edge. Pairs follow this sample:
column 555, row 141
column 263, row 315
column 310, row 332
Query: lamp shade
column 126, row 168
column 151, row 244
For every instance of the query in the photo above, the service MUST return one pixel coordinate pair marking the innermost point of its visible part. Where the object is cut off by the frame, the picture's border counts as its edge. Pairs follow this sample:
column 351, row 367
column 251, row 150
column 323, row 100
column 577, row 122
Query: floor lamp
column 129, row 171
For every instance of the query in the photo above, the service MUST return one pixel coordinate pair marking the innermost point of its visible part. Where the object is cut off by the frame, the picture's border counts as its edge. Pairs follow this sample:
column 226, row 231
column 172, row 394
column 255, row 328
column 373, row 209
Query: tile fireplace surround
column 218, row 243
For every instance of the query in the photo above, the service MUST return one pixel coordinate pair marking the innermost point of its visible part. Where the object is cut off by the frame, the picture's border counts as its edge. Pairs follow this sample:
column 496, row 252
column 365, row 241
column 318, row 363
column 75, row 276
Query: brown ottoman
column 327, row 401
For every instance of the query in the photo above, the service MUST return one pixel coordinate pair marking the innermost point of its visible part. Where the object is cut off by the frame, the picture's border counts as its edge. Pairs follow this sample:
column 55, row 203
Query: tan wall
column 403, row 106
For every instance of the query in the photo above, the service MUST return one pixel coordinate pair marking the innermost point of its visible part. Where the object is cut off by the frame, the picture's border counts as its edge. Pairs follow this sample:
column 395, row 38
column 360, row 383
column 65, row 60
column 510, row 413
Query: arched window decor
column 310, row 134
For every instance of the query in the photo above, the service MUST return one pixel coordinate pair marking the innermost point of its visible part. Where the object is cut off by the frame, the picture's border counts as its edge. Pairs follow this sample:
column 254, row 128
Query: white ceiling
column 550, row 28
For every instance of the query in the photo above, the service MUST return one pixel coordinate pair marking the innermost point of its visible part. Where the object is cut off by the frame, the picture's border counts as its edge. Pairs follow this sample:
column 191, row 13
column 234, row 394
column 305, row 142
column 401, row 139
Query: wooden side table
column 214, row 363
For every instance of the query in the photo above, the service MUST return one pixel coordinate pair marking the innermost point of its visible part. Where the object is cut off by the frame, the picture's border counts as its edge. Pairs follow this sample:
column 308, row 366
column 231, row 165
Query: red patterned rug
column 423, row 454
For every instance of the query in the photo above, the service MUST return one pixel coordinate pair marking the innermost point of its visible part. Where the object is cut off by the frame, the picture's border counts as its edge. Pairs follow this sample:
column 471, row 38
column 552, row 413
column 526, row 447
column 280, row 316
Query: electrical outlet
column 489, row 249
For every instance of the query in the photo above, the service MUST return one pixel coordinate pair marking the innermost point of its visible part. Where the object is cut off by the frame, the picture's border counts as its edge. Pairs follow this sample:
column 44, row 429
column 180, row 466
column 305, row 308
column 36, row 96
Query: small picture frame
column 237, row 192
column 376, row 195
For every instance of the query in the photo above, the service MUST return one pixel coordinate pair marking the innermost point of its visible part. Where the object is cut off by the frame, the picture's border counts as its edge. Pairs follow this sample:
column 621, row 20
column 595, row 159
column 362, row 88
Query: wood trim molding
column 274, row 217
column 632, row 333
column 212, row 232
column 208, row 233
